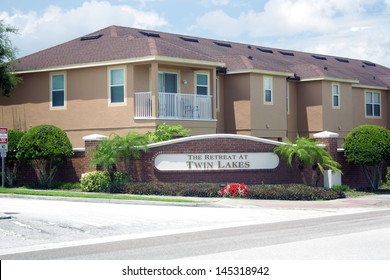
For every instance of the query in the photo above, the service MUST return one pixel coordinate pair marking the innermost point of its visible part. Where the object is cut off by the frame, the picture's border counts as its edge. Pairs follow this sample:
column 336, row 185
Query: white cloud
column 55, row 25
column 340, row 27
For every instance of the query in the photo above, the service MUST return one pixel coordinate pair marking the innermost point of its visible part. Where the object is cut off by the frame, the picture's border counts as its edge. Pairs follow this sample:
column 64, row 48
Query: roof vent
column 91, row 37
column 223, row 44
column 150, row 34
column 286, row 53
column 344, row 60
column 265, row 50
column 249, row 47
column 369, row 63
column 189, row 39
column 320, row 57
column 326, row 68
column 250, row 57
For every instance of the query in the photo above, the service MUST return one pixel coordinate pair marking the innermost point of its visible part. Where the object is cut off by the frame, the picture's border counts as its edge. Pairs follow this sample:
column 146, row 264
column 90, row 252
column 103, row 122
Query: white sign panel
column 216, row 161
column 3, row 147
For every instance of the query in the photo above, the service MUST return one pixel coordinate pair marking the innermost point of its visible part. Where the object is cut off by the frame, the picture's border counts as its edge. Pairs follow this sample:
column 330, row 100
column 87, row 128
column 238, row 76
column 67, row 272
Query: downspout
column 294, row 78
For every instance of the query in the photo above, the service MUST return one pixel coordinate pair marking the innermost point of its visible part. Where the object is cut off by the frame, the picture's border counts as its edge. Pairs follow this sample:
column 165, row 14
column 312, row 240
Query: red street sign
column 3, row 135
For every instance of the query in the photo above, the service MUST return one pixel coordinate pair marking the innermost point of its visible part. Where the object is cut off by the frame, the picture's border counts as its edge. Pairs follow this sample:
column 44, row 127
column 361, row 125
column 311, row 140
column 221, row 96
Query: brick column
column 91, row 142
column 329, row 139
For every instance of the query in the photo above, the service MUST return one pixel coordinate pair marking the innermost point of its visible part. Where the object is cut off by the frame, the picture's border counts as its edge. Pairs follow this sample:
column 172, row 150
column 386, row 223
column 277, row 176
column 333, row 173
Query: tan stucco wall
column 338, row 120
column 268, row 121
column 237, row 104
column 310, row 112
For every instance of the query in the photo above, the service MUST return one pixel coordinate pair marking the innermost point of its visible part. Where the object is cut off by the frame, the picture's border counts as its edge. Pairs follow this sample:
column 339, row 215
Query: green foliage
column 307, row 152
column 95, row 181
column 8, row 80
column 118, row 149
column 278, row 192
column 165, row 132
column 369, row 146
column 11, row 162
column 45, row 147
column 388, row 176
column 343, row 188
column 118, row 184
column 293, row 192
column 174, row 189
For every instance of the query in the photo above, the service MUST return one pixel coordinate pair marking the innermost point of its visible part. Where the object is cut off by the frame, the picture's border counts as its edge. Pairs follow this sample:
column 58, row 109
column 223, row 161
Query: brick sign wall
column 214, row 158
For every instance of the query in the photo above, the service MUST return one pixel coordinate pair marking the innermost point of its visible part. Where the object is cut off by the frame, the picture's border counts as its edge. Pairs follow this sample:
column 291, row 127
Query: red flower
column 234, row 190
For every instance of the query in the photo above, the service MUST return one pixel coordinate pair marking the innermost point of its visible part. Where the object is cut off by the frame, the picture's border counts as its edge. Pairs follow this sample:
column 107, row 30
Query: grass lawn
column 66, row 193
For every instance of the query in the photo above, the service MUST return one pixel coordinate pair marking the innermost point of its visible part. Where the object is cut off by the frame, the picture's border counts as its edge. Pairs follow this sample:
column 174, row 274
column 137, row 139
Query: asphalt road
column 227, row 241
column 51, row 229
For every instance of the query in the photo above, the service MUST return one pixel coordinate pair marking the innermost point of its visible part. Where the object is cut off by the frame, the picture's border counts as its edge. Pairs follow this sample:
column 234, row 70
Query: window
column 335, row 96
column 267, row 90
column 202, row 84
column 57, row 90
column 373, row 104
column 117, row 86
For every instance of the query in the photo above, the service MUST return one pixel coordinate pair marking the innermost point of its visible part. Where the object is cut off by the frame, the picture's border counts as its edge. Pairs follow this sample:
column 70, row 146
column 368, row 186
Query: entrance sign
column 216, row 161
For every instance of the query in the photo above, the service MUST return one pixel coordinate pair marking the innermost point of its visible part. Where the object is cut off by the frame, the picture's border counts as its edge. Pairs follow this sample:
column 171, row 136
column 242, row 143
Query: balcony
column 174, row 106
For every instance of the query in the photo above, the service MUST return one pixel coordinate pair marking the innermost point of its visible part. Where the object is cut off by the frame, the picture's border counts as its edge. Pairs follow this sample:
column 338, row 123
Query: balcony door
column 167, row 94
column 167, row 82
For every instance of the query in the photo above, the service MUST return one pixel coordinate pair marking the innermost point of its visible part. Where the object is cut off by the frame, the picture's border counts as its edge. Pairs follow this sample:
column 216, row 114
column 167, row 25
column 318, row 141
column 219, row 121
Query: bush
column 165, row 132
column 96, row 181
column 44, row 147
column 343, row 188
column 293, row 192
column 118, row 185
column 368, row 146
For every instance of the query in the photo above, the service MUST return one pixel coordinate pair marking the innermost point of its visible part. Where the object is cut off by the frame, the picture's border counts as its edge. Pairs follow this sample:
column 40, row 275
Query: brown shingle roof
column 117, row 43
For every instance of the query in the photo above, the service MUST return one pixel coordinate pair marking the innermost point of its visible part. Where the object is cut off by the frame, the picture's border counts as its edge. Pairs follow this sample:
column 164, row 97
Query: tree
column 44, row 147
column 306, row 152
column 165, row 132
column 368, row 146
column 111, row 152
column 8, row 80
column 11, row 162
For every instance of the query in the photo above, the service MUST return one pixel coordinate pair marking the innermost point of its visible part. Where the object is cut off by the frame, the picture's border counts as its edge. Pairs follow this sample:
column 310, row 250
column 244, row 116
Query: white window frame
column 177, row 73
column 265, row 89
column 217, row 88
column 372, row 103
column 110, row 103
column 336, row 93
column 196, row 82
column 53, row 90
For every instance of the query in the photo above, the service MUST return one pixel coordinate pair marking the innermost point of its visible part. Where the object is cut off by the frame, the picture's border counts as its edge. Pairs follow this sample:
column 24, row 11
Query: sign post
column 3, row 151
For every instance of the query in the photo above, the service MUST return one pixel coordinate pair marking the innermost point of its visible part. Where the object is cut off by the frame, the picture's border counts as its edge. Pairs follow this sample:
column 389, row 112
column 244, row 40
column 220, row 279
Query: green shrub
column 118, row 185
column 293, row 192
column 65, row 186
column 368, row 146
column 96, row 181
column 343, row 188
column 11, row 162
column 44, row 147
column 165, row 132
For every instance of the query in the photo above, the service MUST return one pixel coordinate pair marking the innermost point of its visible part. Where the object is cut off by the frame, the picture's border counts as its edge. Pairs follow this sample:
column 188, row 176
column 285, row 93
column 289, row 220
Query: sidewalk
column 378, row 201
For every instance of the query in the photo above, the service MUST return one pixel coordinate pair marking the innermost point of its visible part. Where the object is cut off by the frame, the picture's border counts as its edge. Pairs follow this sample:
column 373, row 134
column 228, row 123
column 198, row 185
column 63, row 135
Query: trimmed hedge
column 276, row 192
column 293, row 192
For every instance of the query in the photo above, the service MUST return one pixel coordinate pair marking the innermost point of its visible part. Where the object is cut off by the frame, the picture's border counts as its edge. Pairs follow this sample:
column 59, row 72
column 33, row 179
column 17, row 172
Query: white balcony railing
column 174, row 106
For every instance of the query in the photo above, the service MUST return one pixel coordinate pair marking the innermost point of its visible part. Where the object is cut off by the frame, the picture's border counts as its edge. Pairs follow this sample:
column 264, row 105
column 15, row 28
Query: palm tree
column 307, row 152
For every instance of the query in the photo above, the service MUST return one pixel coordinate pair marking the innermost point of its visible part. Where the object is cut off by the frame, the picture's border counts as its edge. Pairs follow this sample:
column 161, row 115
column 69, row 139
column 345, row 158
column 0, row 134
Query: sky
column 346, row 28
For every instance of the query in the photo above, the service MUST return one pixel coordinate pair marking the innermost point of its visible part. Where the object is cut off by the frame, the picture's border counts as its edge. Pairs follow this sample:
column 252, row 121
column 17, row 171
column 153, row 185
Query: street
column 62, row 229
